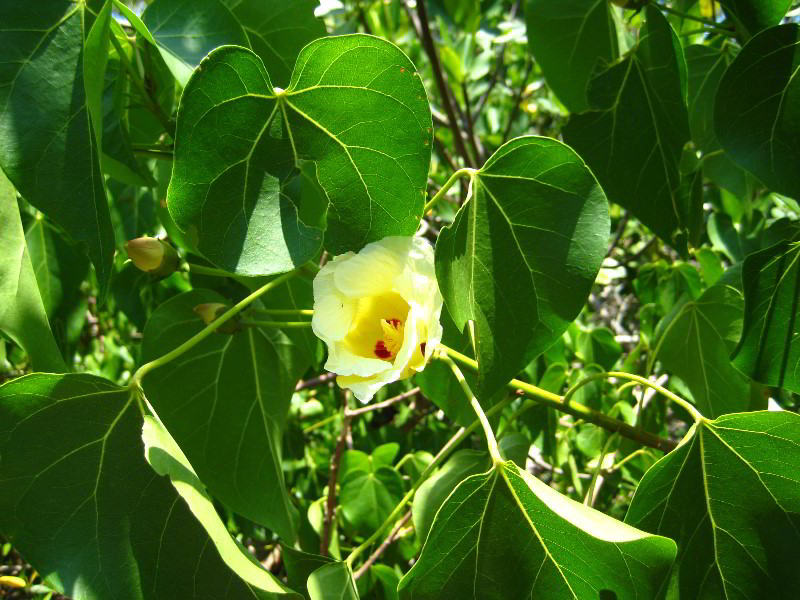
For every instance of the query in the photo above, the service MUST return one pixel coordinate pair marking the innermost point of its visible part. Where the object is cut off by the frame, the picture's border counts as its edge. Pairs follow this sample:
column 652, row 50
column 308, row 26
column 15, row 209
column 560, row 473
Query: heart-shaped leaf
column 729, row 497
column 522, row 253
column 567, row 39
column 633, row 136
column 355, row 106
column 225, row 402
column 769, row 349
column 86, row 505
column 505, row 535
column 47, row 146
column 368, row 498
column 755, row 111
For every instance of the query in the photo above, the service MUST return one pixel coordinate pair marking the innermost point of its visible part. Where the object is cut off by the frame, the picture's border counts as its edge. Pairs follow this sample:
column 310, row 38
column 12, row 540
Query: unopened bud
column 209, row 312
column 12, row 581
column 152, row 255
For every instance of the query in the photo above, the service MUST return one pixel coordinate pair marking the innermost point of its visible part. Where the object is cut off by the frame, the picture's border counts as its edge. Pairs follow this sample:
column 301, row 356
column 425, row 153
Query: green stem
column 643, row 381
column 590, row 493
column 575, row 409
column 677, row 13
column 630, row 456
column 285, row 311
column 321, row 423
column 283, row 324
column 706, row 29
column 136, row 380
column 494, row 452
column 152, row 106
column 201, row 270
column 448, row 184
column 451, row 445
column 157, row 154
column 403, row 461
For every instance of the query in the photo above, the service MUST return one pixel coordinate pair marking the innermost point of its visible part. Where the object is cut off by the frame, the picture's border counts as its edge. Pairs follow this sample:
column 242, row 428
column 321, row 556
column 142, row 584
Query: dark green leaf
column 23, row 315
column 277, row 31
column 755, row 15
column 522, row 253
column 691, row 343
column 185, row 31
column 729, row 497
column 95, row 58
column 769, row 349
column 299, row 567
column 633, row 136
column 356, row 107
column 515, row 447
column 505, row 535
column 367, row 498
column 568, row 38
column 84, row 507
column 599, row 346
column 332, row 582
column 47, row 148
column 225, row 402
column 755, row 112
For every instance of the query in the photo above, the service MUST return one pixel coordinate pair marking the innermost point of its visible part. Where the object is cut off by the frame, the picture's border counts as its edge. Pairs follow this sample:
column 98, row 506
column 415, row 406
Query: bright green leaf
column 633, row 136
column 568, row 38
column 522, row 253
column 769, row 349
column 756, row 118
column 225, row 402
column 367, row 498
column 505, row 535
column 185, row 31
column 86, row 506
column 95, row 58
column 729, row 497
column 23, row 315
column 332, row 582
column 47, row 148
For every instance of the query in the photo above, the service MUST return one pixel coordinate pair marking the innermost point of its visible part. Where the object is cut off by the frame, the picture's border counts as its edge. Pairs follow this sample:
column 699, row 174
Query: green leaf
column 599, row 346
column 95, row 58
column 633, row 136
column 728, row 496
column 505, row 535
column 225, row 402
column 522, row 253
column 755, row 115
column 277, row 31
column 23, row 315
column 332, row 582
column 769, row 349
column 568, row 39
column 299, row 567
column 355, row 106
column 185, row 31
column 690, row 343
column 368, row 498
column 47, row 148
column 514, row 447
column 755, row 15
column 84, row 507
column 434, row 491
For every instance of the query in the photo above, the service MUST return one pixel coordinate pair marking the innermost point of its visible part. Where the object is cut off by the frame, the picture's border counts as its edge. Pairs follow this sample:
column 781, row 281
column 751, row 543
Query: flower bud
column 152, row 255
column 12, row 581
column 210, row 312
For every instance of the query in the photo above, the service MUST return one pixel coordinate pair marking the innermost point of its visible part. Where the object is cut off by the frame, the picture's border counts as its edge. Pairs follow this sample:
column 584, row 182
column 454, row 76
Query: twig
column 444, row 154
column 620, row 230
column 420, row 25
column 324, row 378
column 382, row 548
column 518, row 100
column 330, row 505
column 384, row 404
column 477, row 147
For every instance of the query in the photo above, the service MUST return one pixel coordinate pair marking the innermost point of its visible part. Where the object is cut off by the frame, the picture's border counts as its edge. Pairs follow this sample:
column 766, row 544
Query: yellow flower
column 378, row 312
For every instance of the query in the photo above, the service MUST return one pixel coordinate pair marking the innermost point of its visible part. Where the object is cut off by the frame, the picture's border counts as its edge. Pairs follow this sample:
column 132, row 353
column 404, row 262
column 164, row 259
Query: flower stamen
column 392, row 341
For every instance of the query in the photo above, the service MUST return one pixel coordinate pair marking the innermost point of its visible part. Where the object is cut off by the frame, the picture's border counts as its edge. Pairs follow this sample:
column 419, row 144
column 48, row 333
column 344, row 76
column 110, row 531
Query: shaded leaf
column 299, row 567
column 755, row 111
column 368, row 498
column 47, row 147
column 86, row 506
column 568, row 39
column 755, row 15
column 506, row 535
column 769, row 349
column 633, row 136
column 522, row 254
column 225, row 402
column 599, row 346
column 729, row 497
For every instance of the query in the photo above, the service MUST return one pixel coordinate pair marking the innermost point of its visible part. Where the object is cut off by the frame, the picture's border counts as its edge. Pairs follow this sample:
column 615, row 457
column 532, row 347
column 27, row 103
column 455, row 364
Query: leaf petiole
column 466, row 171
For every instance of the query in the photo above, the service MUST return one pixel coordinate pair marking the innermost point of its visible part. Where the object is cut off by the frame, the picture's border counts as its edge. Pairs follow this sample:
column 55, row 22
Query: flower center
column 392, row 340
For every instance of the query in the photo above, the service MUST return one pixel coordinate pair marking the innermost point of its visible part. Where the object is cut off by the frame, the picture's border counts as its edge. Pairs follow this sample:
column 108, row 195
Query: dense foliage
column 612, row 192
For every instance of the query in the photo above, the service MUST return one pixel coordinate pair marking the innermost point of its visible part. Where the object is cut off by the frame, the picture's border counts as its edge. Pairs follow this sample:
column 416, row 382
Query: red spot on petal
column 394, row 322
column 422, row 348
column 381, row 351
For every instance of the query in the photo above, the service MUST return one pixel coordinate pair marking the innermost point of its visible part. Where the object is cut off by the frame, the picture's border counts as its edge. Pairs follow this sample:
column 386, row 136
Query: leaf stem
column 285, row 324
column 451, row 445
column 683, row 15
column 466, row 171
column 494, row 452
column 303, row 312
column 136, row 380
column 589, row 499
column 202, row 270
column 570, row 407
column 643, row 381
